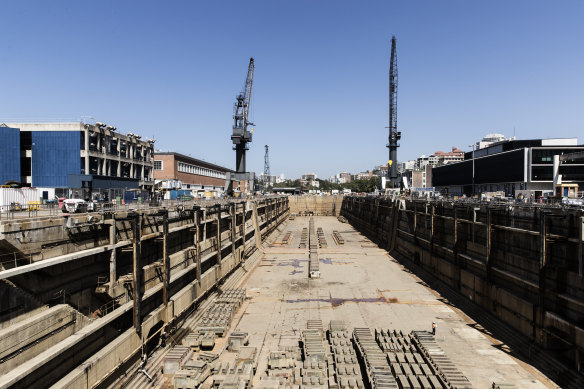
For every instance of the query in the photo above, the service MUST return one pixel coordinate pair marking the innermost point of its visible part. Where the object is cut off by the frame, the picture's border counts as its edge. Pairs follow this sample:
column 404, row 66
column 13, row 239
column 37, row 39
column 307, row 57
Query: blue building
column 9, row 154
column 75, row 155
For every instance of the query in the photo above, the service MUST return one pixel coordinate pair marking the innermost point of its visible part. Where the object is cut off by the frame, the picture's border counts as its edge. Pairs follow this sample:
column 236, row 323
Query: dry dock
column 298, row 292
column 360, row 285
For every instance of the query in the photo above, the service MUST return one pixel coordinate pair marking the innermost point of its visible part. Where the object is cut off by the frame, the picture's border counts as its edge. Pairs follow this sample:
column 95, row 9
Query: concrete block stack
column 208, row 357
column 409, row 366
column 303, row 238
column 445, row 370
column 321, row 238
column 232, row 296
column 175, row 359
column 192, row 374
column 394, row 341
column 192, row 340
column 315, row 371
column 217, row 319
column 338, row 238
column 377, row 369
column 287, row 238
column 346, row 366
column 315, row 375
column 248, row 356
column 237, row 340
column 237, row 374
column 313, row 265
column 284, row 367
column 232, row 375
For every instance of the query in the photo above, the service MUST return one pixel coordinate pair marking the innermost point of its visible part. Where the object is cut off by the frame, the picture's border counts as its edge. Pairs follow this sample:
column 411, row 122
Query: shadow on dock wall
column 521, row 264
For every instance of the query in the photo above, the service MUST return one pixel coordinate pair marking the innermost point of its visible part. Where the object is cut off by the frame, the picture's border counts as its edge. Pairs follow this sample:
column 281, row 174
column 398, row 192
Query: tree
column 288, row 184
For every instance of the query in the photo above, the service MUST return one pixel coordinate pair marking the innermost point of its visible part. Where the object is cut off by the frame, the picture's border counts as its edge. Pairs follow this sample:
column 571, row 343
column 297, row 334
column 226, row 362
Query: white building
column 490, row 139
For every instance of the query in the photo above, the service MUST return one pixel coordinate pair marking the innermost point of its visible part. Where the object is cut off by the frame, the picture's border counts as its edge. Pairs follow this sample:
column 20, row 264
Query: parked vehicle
column 77, row 205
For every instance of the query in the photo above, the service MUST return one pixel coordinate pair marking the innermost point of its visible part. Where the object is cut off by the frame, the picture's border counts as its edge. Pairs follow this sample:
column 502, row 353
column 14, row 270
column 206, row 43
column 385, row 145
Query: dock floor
column 363, row 286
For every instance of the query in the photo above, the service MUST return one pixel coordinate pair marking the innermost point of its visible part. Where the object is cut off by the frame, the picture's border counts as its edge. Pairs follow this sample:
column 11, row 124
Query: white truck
column 77, row 205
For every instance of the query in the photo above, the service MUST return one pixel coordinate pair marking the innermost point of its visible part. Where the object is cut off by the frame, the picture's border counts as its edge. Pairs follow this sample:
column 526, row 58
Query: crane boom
column 394, row 134
column 241, row 136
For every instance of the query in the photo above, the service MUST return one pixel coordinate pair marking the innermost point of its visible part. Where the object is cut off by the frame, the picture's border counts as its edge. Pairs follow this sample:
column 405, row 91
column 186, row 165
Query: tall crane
column 241, row 135
column 266, row 169
column 394, row 134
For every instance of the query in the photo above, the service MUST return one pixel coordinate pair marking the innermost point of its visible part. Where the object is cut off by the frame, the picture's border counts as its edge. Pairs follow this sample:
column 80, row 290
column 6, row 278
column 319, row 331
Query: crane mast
column 394, row 134
column 241, row 135
column 266, row 169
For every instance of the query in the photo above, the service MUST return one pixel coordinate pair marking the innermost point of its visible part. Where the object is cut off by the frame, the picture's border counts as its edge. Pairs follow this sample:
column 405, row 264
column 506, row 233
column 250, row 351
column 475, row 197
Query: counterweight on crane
column 394, row 134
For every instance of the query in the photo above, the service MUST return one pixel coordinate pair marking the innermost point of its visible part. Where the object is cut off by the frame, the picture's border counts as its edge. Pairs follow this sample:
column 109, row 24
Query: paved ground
column 365, row 287
column 362, row 285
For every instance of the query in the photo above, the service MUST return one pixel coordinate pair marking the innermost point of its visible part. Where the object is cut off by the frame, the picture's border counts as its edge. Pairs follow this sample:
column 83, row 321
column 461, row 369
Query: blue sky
column 171, row 70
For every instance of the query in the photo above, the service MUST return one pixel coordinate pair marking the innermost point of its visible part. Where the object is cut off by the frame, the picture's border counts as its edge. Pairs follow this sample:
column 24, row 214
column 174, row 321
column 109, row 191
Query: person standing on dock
column 163, row 339
column 434, row 328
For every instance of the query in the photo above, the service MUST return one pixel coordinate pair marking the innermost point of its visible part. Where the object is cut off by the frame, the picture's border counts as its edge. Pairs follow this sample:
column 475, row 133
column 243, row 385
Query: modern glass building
column 511, row 166
column 9, row 154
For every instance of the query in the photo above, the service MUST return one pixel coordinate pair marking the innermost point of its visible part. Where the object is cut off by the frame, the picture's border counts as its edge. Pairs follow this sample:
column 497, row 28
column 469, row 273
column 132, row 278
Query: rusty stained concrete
column 364, row 286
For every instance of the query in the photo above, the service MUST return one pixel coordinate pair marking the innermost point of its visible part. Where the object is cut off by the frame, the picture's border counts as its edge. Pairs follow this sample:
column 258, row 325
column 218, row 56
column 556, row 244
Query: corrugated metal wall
column 55, row 155
column 9, row 154
column 24, row 195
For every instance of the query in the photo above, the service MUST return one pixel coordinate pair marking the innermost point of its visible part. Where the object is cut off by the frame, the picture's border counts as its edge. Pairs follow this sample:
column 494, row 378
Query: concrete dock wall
column 316, row 205
column 215, row 239
column 22, row 341
column 522, row 264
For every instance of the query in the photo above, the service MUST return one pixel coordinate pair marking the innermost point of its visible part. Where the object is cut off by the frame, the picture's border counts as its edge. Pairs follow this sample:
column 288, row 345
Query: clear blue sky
column 172, row 69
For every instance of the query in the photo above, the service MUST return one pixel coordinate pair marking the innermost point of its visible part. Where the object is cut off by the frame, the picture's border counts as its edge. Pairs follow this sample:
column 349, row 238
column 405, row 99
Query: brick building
column 193, row 174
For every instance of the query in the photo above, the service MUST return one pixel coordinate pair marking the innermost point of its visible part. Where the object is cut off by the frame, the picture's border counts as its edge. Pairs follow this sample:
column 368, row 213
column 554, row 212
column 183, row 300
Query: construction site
column 251, row 290
column 340, row 293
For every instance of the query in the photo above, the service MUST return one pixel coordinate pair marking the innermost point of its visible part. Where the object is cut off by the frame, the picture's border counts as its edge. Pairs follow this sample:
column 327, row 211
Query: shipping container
column 180, row 195
column 23, row 196
column 136, row 196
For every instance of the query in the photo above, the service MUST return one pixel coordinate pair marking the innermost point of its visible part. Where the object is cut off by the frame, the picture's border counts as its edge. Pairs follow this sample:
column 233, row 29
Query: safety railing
column 30, row 209
column 14, row 259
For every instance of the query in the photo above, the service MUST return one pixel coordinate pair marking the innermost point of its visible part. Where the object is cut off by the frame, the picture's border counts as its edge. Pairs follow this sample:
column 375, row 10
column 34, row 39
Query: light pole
column 473, row 168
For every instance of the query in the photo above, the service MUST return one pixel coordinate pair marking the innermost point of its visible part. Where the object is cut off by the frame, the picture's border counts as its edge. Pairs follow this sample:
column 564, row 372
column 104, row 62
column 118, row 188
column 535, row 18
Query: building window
column 542, row 156
column 542, row 173
column 192, row 169
column 157, row 165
